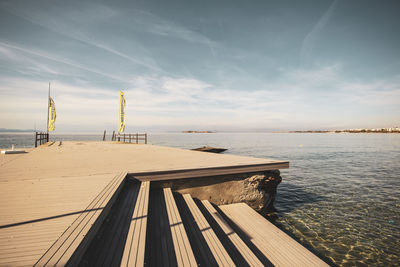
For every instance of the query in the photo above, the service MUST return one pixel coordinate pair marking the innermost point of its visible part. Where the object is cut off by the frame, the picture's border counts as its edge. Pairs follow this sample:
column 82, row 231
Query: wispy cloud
column 75, row 29
column 374, row 94
column 172, row 102
column 310, row 39
column 24, row 102
column 42, row 54
column 159, row 26
column 299, row 95
column 179, row 72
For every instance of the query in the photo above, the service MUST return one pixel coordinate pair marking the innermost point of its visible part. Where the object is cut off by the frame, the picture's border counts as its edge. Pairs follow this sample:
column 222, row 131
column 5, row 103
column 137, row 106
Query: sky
column 200, row 65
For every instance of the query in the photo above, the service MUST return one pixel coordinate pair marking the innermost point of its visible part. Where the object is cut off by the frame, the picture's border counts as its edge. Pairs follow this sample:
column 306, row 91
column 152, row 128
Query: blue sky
column 206, row 65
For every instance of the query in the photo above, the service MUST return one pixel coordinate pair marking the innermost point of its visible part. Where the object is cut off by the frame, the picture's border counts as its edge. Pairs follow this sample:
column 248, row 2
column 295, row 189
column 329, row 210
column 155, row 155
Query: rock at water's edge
column 258, row 190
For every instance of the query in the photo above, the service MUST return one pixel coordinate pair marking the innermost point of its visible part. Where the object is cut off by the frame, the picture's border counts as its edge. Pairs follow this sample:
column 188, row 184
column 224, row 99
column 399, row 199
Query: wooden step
column 220, row 254
column 249, row 256
column 278, row 247
column 107, row 248
column 183, row 250
column 136, row 240
column 59, row 254
column 159, row 249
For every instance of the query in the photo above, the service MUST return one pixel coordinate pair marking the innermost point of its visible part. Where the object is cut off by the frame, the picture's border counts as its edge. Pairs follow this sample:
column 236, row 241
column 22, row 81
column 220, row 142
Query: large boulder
column 258, row 190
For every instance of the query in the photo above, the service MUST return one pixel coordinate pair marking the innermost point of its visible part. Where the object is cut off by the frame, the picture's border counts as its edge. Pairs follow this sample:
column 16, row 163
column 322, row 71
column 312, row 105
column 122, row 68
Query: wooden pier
column 97, row 204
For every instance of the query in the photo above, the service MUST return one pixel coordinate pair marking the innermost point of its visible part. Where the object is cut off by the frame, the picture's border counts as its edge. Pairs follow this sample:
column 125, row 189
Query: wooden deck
column 35, row 213
column 66, row 245
column 72, row 159
column 277, row 246
column 183, row 250
column 163, row 229
column 243, row 249
column 217, row 249
column 135, row 242
column 160, row 249
column 73, row 203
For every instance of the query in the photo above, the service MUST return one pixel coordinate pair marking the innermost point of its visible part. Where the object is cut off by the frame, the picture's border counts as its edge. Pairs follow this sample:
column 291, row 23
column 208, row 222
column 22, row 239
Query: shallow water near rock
column 340, row 198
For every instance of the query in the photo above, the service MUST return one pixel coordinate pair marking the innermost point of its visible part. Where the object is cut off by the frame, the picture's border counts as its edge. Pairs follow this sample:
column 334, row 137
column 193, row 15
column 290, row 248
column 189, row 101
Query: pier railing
column 130, row 138
column 41, row 138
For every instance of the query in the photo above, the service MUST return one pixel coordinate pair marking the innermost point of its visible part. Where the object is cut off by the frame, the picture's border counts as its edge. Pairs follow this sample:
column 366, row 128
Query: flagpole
column 48, row 106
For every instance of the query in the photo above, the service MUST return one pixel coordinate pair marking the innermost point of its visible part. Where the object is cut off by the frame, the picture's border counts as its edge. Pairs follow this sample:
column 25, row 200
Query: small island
column 198, row 131
column 378, row 130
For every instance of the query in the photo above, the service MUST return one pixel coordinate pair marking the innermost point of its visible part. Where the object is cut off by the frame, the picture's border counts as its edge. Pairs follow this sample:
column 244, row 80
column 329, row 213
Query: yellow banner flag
column 121, row 115
column 52, row 115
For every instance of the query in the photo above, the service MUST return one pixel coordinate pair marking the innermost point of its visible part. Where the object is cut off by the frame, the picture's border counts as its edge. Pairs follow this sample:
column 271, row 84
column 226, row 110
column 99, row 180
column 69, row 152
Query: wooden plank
column 76, row 250
column 35, row 213
column 183, row 250
column 201, row 250
column 159, row 243
column 16, row 246
column 61, row 251
column 44, row 199
column 204, row 172
column 141, row 238
column 251, row 259
column 220, row 254
column 107, row 248
column 277, row 246
column 176, row 237
column 134, row 250
column 175, row 223
column 80, row 221
column 86, row 158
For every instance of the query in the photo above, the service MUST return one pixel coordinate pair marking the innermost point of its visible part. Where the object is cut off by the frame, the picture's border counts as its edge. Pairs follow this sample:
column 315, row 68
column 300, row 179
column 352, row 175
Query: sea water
column 340, row 197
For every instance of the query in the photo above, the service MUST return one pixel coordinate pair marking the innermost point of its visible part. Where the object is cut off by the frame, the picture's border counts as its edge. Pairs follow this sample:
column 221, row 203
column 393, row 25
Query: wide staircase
column 152, row 226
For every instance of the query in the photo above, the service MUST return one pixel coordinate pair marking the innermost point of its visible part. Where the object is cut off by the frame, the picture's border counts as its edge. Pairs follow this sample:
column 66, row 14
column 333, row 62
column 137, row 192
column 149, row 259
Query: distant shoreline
column 4, row 130
column 384, row 130
column 348, row 131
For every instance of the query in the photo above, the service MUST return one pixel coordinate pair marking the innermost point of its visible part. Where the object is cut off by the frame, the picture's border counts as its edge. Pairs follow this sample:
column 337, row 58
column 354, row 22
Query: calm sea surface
column 340, row 197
